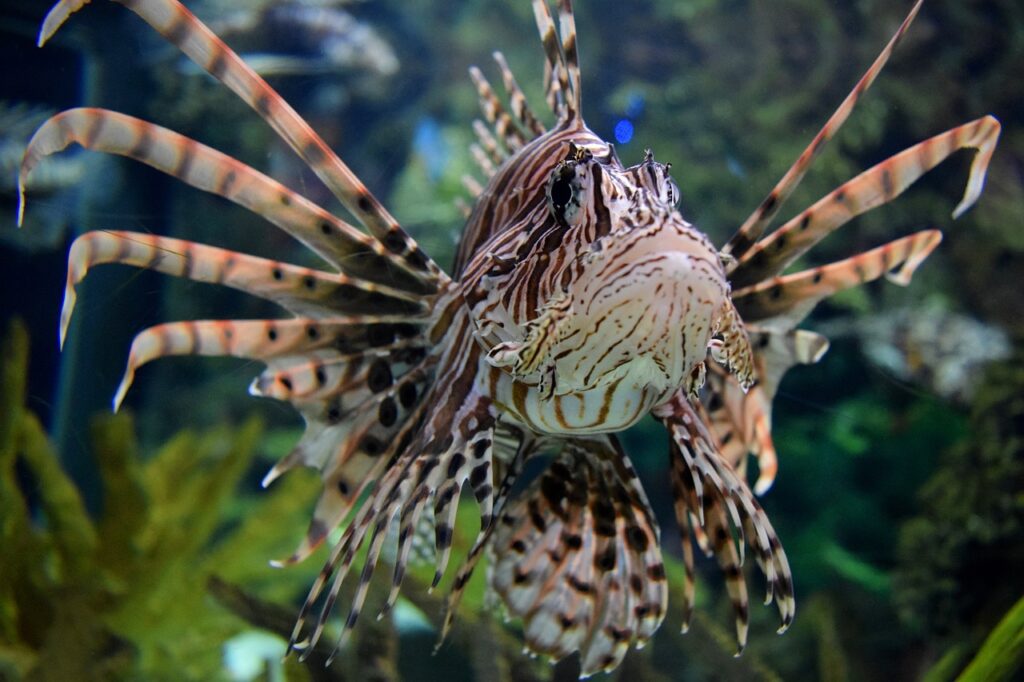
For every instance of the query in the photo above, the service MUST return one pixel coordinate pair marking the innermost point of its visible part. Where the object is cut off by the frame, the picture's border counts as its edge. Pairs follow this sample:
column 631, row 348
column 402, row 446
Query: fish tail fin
column 577, row 557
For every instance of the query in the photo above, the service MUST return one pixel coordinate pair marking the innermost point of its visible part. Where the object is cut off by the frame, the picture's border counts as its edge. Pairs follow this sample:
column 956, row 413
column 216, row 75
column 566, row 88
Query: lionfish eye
column 563, row 191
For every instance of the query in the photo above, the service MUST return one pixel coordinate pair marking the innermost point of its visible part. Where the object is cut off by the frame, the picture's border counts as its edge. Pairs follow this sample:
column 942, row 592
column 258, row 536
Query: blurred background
column 135, row 547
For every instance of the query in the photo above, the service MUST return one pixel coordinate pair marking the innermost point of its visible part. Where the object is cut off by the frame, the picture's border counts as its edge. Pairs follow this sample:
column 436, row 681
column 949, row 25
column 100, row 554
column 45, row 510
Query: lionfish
column 580, row 301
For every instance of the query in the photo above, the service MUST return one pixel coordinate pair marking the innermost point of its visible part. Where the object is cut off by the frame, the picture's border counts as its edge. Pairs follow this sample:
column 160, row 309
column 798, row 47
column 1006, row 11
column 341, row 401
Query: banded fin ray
column 753, row 227
column 715, row 506
column 183, row 30
column 265, row 339
column 508, row 473
column 489, row 145
column 567, row 29
column 504, row 127
column 786, row 300
column 874, row 187
column 517, row 99
column 353, row 439
column 207, row 169
column 304, row 291
column 577, row 558
column 556, row 71
column 432, row 469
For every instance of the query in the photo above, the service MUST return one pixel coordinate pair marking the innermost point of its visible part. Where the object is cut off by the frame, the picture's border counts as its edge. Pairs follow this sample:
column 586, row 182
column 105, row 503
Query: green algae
column 123, row 595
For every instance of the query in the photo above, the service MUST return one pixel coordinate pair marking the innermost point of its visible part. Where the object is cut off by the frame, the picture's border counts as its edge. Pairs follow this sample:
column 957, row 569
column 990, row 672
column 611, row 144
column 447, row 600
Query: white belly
column 610, row 407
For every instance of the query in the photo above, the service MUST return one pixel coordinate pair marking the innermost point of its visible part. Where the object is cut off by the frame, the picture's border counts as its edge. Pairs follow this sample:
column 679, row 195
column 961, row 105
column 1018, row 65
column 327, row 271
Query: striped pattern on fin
column 788, row 299
column 358, row 382
column 316, row 375
column 504, row 127
column 265, row 339
column 741, row 421
column 353, row 445
column 517, row 99
column 567, row 28
column 577, row 558
column 753, row 227
column 716, row 506
column 303, row 291
column 334, row 240
column 432, row 469
column 556, row 72
column 489, row 145
column 874, row 187
column 183, row 30
column 508, row 133
column 508, row 474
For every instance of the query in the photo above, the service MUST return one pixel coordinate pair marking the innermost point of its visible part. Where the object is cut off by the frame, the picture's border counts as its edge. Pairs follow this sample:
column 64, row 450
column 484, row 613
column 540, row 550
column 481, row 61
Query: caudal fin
column 577, row 558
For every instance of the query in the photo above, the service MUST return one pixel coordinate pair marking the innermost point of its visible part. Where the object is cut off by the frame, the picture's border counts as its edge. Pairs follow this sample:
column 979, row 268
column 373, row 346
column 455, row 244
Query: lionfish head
column 605, row 282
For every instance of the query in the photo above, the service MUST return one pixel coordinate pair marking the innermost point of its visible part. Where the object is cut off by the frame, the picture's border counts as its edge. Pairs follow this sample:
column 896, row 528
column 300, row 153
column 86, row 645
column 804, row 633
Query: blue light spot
column 623, row 131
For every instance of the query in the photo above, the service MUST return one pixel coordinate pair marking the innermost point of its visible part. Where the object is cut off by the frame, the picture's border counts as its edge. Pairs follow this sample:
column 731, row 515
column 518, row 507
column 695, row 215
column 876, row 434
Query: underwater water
column 136, row 546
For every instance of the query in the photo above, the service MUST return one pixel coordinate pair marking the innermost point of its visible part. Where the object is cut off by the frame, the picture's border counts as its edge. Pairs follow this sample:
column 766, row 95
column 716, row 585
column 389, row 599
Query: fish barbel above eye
column 610, row 298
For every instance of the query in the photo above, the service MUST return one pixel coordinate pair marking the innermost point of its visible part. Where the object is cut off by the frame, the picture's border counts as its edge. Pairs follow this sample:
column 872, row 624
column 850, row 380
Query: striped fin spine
column 567, row 29
column 556, row 71
column 508, row 473
column 488, row 144
column 452, row 447
column 872, row 188
column 353, row 437
column 472, row 186
column 577, row 558
column 753, row 227
column 741, row 420
column 266, row 339
column 716, row 507
column 338, row 243
column 358, row 382
column 183, row 30
column 494, row 111
column 784, row 301
column 304, row 291
column 517, row 100
column 508, row 133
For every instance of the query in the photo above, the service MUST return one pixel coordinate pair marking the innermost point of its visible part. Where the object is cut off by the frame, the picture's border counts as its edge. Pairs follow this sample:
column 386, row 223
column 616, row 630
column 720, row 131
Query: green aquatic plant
column 123, row 594
column 1002, row 654
column 959, row 558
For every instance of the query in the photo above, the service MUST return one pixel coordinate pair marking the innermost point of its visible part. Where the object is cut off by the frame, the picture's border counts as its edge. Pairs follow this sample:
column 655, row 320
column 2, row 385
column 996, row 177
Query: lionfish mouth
column 554, row 332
